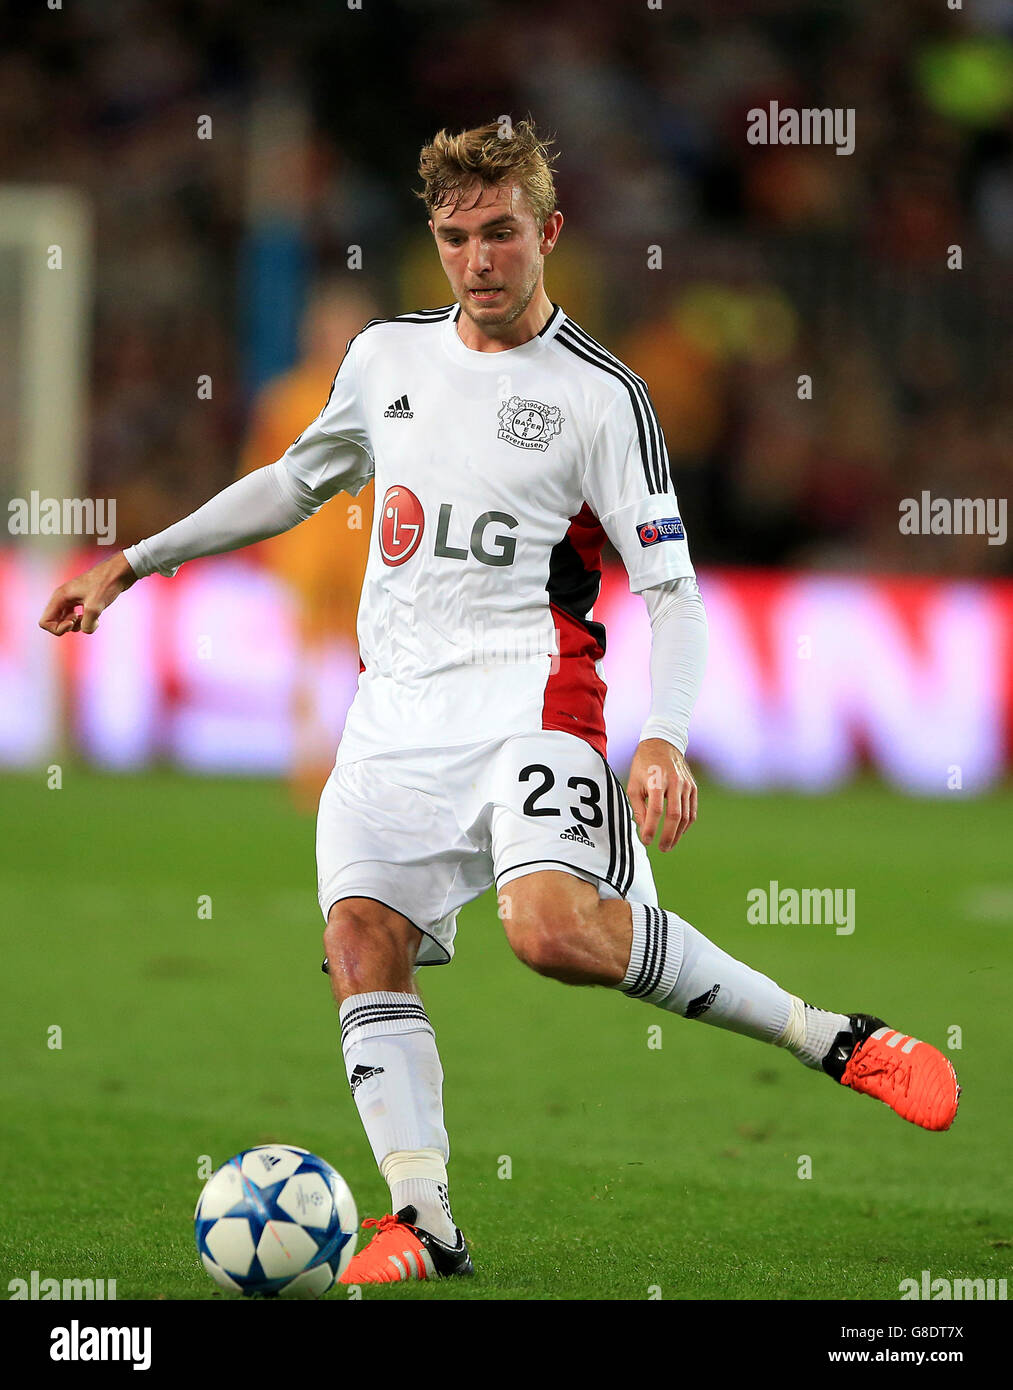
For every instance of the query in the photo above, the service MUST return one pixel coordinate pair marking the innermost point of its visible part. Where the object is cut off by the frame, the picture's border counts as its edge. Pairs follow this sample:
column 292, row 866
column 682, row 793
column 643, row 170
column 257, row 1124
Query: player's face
column 493, row 252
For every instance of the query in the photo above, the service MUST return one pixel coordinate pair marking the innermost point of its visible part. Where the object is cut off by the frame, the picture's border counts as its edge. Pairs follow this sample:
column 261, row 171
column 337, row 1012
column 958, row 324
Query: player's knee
column 343, row 941
column 365, row 952
column 546, row 939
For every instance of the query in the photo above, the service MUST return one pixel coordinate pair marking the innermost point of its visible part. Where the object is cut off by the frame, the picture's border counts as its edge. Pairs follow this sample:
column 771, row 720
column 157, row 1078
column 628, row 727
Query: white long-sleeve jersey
column 499, row 476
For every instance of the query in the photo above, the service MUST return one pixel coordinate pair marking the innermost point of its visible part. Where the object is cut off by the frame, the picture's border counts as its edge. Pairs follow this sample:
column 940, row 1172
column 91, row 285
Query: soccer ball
column 276, row 1220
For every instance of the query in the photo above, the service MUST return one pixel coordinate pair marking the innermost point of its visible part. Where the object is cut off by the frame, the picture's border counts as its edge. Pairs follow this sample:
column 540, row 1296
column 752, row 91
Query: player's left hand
column 661, row 782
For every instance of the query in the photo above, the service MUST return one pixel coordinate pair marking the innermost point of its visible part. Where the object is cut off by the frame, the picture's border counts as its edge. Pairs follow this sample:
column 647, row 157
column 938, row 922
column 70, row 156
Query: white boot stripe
column 911, row 1043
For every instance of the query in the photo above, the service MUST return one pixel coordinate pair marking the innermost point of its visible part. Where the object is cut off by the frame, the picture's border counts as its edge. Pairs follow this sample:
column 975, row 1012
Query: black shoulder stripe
column 416, row 316
column 419, row 315
column 647, row 451
column 652, row 446
column 638, row 387
column 638, row 383
column 413, row 316
column 556, row 312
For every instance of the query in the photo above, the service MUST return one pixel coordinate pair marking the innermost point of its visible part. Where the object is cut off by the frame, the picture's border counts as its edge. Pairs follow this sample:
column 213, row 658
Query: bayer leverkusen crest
column 528, row 424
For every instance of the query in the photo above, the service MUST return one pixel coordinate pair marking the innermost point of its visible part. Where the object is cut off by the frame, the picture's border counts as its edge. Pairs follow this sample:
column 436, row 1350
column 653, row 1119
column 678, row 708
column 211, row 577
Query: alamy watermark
column 45, row 1290
column 959, row 1290
column 787, row 125
column 77, row 1343
column 481, row 645
column 777, row 906
column 957, row 516
column 35, row 515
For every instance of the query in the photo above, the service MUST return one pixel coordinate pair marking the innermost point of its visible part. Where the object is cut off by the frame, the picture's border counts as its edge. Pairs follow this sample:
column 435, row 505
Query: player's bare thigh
column 369, row 947
column 558, row 925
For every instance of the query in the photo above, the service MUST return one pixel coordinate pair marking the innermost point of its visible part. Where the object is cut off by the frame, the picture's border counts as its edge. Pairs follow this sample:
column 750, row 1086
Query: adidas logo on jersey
column 578, row 834
column 399, row 410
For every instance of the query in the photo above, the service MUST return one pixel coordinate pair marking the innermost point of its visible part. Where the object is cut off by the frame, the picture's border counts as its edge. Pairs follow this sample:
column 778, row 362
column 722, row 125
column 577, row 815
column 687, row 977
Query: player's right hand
column 91, row 592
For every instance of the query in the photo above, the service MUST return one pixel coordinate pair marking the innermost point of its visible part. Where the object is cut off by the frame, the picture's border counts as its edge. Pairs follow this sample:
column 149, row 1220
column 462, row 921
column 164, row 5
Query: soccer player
column 507, row 445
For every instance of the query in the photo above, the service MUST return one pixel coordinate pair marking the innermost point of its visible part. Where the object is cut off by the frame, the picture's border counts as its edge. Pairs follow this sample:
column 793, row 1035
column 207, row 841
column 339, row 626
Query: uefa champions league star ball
column 276, row 1220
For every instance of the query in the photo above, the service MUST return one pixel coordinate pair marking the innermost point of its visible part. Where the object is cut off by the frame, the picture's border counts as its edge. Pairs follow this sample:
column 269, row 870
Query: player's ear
column 550, row 232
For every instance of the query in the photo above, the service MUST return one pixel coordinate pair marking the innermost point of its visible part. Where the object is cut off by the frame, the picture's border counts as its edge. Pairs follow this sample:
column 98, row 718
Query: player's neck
column 501, row 338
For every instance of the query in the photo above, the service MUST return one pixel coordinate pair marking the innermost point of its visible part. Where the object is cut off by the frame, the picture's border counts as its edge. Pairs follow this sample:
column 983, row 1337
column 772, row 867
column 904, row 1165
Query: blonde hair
column 499, row 153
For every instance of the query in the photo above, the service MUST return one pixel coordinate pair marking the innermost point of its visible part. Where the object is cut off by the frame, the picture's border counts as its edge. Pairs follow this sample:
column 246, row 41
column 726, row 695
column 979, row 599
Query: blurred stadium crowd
column 228, row 256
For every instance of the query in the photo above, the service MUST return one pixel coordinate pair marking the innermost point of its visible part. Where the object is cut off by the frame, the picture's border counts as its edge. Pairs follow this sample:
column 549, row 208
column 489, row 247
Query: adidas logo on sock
column 699, row 1006
column 399, row 410
column 577, row 833
column 361, row 1074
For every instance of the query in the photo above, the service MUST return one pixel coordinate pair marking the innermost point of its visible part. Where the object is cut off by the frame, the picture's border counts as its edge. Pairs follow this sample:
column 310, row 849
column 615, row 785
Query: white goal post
column 46, row 275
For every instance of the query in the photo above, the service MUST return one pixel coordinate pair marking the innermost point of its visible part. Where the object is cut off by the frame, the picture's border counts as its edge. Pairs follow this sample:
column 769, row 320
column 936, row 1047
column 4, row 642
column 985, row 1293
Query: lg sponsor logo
column 403, row 522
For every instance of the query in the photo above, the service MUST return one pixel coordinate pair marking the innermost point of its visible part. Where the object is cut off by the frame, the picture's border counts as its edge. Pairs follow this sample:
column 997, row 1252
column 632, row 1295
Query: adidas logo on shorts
column 578, row 834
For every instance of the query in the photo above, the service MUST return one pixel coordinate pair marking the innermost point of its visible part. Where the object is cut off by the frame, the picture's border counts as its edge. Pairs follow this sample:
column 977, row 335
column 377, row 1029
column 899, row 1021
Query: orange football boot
column 400, row 1251
column 912, row 1077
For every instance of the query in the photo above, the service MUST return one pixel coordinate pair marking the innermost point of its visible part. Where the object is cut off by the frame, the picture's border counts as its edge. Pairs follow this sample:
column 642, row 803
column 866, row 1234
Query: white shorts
column 427, row 831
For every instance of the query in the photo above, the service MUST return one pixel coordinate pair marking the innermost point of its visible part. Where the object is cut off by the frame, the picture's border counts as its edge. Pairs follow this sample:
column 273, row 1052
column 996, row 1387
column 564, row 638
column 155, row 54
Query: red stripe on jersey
column 587, row 536
column 574, row 700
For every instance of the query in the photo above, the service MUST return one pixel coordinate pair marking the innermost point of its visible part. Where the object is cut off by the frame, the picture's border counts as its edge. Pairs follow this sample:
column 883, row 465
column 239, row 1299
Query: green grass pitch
column 632, row 1168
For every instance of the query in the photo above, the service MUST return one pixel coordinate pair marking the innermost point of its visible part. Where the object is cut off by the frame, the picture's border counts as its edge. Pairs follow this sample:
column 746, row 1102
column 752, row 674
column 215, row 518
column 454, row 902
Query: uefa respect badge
column 668, row 528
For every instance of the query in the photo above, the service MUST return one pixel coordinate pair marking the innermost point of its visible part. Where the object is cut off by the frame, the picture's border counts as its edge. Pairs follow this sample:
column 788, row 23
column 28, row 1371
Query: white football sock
column 419, row 1179
column 821, row 1028
column 676, row 967
column 394, row 1070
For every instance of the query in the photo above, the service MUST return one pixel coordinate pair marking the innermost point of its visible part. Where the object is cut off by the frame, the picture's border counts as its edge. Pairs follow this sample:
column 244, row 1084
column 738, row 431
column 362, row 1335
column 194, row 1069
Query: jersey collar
column 496, row 361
